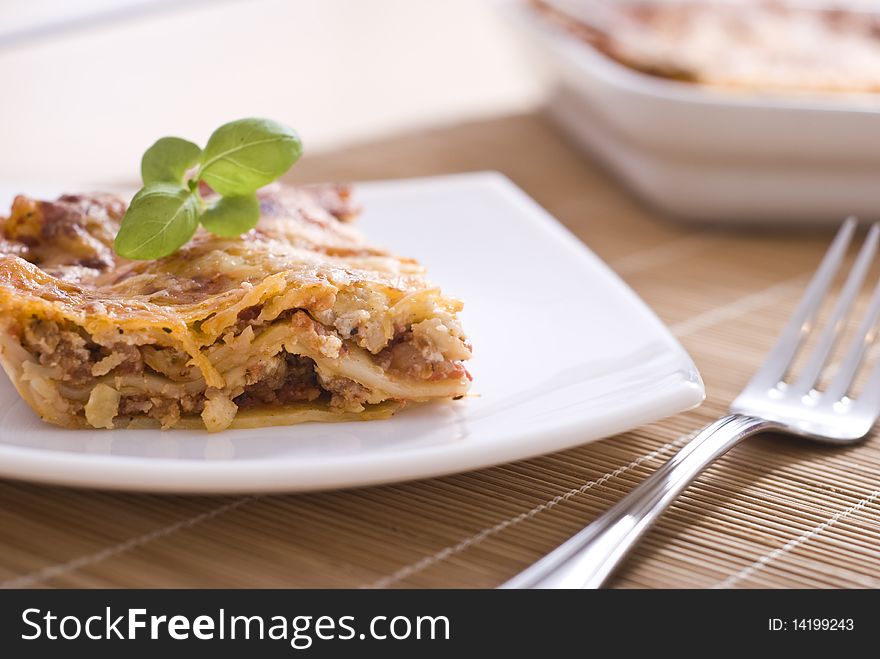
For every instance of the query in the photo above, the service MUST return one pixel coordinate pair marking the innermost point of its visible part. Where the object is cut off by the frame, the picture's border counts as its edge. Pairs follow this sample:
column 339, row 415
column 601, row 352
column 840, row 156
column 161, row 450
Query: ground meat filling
column 280, row 379
column 77, row 357
column 160, row 408
column 165, row 410
column 412, row 357
column 346, row 394
column 246, row 318
column 283, row 380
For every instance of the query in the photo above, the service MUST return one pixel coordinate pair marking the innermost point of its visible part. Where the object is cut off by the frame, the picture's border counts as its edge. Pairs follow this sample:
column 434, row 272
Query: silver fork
column 775, row 399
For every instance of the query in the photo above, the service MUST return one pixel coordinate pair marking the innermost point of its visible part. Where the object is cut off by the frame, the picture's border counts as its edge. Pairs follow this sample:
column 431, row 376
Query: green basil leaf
column 232, row 216
column 161, row 218
column 245, row 155
column 168, row 159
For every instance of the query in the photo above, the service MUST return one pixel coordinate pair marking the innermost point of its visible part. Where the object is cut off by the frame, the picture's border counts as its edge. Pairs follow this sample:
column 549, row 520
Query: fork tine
column 777, row 362
column 869, row 399
column 862, row 340
column 831, row 334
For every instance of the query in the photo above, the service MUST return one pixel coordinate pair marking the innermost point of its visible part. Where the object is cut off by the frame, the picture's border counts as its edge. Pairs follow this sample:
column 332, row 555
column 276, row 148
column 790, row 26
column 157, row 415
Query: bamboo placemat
column 773, row 513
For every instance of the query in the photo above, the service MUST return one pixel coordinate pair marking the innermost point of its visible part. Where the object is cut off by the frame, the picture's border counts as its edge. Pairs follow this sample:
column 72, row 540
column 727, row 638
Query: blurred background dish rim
column 691, row 92
column 707, row 156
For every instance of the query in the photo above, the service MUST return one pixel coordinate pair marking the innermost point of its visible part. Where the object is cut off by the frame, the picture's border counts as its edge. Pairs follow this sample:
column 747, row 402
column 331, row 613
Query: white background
column 87, row 85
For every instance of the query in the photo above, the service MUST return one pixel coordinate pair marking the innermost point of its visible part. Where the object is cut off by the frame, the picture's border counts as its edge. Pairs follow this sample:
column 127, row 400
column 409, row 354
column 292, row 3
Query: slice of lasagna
column 300, row 319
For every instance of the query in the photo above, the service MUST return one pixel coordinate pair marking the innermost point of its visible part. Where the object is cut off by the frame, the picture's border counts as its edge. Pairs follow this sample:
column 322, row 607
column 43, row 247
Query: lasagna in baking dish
column 760, row 46
column 299, row 319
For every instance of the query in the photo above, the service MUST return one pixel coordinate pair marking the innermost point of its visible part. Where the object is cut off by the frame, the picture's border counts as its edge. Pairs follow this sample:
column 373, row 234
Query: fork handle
column 588, row 558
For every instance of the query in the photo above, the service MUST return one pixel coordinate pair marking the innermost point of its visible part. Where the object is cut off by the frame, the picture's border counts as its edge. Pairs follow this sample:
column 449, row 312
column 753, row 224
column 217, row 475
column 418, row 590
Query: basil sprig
column 240, row 157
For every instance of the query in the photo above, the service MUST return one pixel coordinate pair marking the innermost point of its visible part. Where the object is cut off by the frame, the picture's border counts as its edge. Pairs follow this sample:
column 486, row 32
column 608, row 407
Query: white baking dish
column 714, row 155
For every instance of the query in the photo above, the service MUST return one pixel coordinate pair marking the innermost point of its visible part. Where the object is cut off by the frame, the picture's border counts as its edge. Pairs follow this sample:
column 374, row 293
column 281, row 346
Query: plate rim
column 250, row 476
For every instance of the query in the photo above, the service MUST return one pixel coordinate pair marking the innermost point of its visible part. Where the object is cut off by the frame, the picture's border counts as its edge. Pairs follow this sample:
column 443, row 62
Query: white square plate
column 565, row 354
